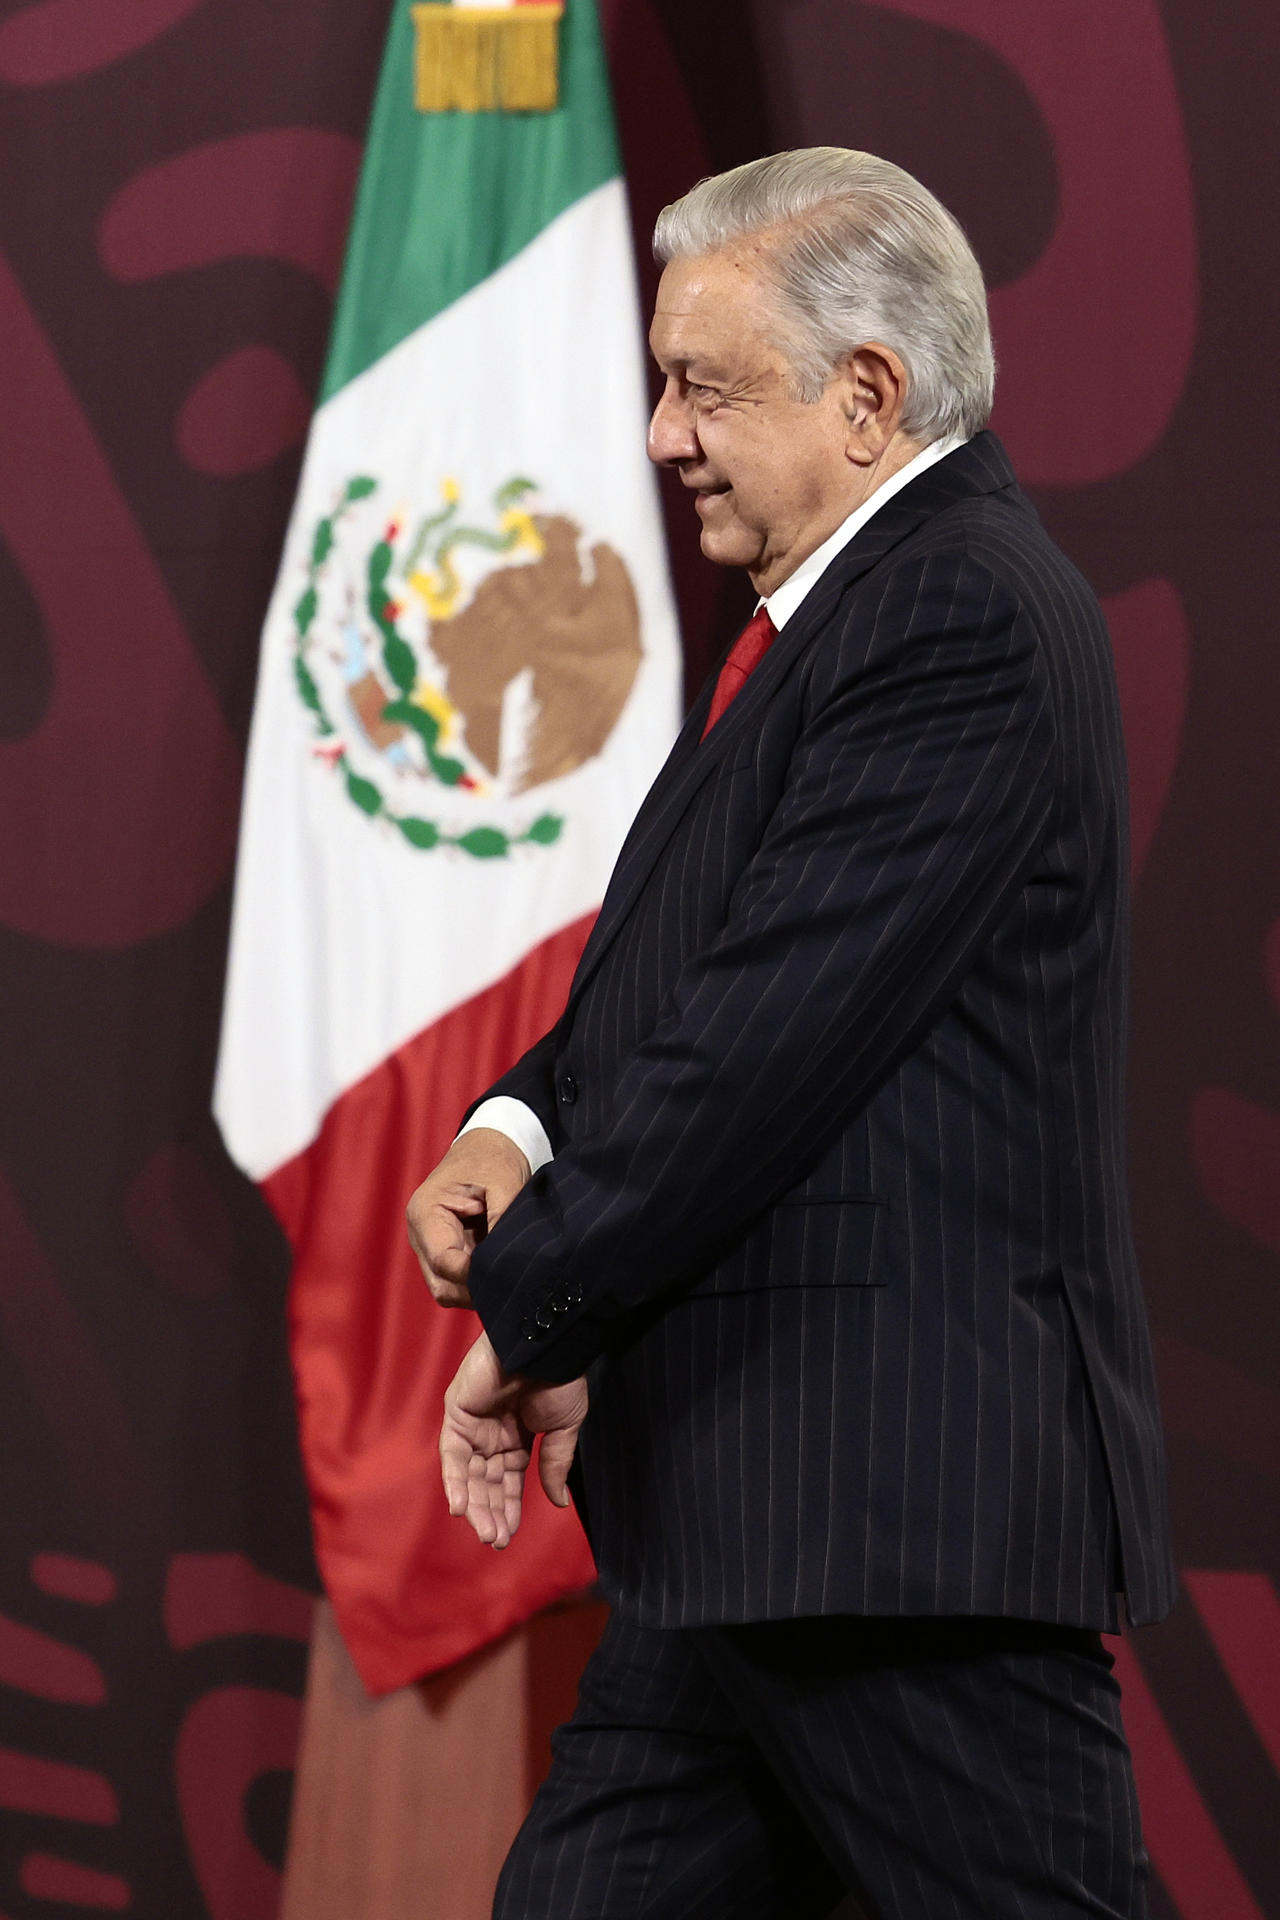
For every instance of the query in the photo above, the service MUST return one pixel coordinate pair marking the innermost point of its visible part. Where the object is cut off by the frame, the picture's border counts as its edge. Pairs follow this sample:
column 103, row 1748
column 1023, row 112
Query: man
column 813, row 1232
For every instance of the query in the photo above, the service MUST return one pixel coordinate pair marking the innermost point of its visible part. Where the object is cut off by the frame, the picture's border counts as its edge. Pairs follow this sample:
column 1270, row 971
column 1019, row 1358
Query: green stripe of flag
column 445, row 199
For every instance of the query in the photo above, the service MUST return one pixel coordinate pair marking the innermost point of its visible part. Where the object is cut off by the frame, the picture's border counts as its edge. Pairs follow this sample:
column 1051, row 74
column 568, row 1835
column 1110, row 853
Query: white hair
column 856, row 250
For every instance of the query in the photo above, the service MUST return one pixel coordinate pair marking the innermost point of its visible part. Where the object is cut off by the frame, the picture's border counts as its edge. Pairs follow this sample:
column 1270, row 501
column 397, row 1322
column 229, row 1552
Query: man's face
column 769, row 472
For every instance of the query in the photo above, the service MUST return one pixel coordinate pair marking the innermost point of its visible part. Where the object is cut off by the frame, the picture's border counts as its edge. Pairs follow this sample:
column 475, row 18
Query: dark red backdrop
column 176, row 179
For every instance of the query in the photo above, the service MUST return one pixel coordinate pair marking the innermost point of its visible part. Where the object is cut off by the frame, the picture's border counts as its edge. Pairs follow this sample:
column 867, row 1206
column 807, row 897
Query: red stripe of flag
column 413, row 1591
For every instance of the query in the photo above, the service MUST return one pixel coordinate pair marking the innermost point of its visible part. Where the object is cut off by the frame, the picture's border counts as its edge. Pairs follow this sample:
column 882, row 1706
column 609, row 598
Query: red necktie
column 748, row 650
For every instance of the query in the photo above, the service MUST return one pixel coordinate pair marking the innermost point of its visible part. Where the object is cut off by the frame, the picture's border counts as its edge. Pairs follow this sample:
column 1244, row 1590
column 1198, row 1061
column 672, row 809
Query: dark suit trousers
column 933, row 1770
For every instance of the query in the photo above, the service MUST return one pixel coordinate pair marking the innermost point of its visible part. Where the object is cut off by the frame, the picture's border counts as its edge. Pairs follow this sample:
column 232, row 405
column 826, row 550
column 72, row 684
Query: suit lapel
column 980, row 466
column 691, row 761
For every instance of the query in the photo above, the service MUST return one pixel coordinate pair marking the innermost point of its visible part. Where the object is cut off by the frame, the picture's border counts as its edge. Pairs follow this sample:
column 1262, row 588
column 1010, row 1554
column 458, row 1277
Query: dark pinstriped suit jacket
column 837, row 1218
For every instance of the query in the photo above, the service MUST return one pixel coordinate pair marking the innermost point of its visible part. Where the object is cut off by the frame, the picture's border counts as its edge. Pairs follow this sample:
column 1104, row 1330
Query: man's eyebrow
column 681, row 363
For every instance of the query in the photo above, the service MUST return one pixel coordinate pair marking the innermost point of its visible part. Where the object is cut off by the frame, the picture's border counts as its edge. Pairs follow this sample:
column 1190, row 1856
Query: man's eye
column 702, row 394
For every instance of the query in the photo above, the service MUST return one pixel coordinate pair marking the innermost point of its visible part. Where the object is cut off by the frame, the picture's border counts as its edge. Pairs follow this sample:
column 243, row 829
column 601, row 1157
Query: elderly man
column 813, row 1234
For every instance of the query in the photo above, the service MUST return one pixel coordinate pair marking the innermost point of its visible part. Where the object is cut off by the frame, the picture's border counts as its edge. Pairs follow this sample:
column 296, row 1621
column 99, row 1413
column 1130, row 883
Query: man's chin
column 729, row 546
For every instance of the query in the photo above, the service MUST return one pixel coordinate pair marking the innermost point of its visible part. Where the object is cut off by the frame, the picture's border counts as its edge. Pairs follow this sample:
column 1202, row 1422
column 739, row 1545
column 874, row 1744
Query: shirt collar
column 785, row 603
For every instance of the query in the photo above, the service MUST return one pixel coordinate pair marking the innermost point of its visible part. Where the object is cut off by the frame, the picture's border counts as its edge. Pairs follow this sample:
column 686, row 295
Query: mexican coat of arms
column 451, row 665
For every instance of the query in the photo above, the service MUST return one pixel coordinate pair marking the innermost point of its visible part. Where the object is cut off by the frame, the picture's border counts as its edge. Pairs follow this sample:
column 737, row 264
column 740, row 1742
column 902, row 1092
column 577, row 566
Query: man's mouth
column 705, row 495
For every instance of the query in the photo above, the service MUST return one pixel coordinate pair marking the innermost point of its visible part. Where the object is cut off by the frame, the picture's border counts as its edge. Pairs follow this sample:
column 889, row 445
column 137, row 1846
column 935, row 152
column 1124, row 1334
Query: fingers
column 456, row 1205
column 482, row 1465
column 483, row 1515
column 494, row 1496
column 446, row 1293
column 555, row 1457
column 513, row 1499
column 444, row 1226
column 490, row 1418
column 455, row 1460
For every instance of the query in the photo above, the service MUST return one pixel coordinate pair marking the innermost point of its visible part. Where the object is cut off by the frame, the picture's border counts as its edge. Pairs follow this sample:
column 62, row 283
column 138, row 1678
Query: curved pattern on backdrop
column 132, row 721
column 153, row 395
column 61, row 39
column 1100, row 330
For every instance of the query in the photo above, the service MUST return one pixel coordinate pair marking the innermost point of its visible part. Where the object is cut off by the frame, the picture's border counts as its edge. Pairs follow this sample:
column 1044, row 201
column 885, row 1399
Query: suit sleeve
column 918, row 791
column 530, row 1081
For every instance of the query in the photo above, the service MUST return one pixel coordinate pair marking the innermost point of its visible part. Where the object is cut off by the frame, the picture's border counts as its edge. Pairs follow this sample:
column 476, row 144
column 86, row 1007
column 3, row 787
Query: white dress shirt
column 512, row 1117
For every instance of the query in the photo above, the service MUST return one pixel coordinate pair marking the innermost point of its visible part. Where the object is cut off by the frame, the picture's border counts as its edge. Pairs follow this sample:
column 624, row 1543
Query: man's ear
column 873, row 393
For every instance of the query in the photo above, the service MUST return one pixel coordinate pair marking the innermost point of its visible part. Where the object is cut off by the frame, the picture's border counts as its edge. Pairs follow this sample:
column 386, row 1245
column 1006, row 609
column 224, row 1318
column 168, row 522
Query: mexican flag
column 468, row 679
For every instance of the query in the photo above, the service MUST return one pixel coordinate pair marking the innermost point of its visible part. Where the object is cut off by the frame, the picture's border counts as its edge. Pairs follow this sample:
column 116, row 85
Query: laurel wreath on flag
column 400, row 663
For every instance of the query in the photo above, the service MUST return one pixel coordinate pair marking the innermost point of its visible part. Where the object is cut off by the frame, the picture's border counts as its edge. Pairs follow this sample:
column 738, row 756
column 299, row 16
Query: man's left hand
column 486, row 1441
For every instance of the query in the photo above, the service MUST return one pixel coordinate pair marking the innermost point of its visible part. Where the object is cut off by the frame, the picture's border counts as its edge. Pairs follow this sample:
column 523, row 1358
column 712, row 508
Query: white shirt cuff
column 518, row 1122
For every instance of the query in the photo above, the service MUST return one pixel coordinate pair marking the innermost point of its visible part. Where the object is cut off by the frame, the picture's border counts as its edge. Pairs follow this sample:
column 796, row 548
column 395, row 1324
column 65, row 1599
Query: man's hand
column 456, row 1206
column 490, row 1419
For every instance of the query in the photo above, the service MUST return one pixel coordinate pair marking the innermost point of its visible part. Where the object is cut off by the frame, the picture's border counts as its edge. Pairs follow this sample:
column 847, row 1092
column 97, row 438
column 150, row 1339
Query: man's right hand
column 455, row 1207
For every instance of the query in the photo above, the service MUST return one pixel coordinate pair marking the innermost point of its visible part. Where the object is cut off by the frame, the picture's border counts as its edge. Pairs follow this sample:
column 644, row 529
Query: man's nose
column 671, row 431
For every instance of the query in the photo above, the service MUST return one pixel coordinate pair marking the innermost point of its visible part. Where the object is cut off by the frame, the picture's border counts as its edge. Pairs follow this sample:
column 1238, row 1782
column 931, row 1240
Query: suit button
column 568, row 1090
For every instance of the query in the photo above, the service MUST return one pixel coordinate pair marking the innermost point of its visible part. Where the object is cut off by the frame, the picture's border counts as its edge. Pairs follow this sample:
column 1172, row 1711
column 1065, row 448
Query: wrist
column 516, row 1122
column 489, row 1143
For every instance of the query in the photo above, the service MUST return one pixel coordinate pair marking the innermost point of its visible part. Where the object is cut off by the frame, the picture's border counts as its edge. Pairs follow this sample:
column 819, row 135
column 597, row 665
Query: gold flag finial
column 487, row 59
